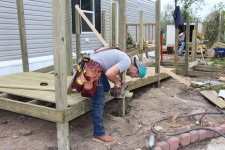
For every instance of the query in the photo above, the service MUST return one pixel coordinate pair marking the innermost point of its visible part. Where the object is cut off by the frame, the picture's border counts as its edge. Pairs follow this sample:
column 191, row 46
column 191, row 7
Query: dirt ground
column 149, row 104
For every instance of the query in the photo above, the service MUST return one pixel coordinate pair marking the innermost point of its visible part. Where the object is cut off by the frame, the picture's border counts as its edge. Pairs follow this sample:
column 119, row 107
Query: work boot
column 105, row 138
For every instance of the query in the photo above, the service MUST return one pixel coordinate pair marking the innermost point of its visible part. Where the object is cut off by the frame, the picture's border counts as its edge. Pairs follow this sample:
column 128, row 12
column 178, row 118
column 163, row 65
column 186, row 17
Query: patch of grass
column 164, row 42
column 217, row 88
column 219, row 62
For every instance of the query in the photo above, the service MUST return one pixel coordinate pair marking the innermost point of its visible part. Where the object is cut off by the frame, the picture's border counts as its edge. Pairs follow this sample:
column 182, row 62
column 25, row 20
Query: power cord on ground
column 178, row 133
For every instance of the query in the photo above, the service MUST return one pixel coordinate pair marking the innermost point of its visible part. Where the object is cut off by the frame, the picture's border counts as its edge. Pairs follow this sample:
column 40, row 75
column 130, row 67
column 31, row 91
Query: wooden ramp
column 25, row 95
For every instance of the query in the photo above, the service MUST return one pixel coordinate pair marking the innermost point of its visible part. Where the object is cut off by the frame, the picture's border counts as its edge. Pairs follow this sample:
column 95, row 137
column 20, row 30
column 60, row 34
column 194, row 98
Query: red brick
column 223, row 126
column 185, row 139
column 163, row 145
column 209, row 133
column 202, row 134
column 220, row 129
column 157, row 148
column 173, row 143
column 194, row 136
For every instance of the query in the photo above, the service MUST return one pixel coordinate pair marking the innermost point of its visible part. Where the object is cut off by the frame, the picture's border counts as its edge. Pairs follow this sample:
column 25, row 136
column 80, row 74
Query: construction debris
column 196, row 84
column 222, row 93
column 212, row 96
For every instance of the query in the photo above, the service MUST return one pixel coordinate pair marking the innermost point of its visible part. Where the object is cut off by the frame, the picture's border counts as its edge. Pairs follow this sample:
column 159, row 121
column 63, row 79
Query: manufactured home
column 38, row 25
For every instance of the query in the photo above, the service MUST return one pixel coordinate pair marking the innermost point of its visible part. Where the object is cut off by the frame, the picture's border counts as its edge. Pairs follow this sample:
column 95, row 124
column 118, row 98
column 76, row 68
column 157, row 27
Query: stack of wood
column 218, row 45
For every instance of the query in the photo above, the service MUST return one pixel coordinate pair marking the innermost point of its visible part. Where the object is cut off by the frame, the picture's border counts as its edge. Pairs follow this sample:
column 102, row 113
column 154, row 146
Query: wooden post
column 148, row 32
column 157, row 38
column 196, row 41
column 104, row 25
column 60, row 13
column 23, row 39
column 152, row 33
column 136, row 33
column 187, row 46
column 141, row 36
column 69, row 53
column 193, row 51
column 114, row 13
column 122, row 45
column 176, row 47
column 78, row 48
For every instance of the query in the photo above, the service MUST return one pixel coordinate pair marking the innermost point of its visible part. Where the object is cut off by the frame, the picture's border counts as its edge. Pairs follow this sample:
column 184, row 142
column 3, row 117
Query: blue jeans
column 98, row 103
column 181, row 48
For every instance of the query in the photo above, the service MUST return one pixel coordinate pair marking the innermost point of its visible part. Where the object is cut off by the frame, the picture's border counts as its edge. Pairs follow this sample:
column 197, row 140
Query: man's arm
column 112, row 73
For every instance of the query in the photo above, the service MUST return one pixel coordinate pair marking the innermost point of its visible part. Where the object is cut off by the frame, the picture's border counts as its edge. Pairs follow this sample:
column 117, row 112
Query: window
column 92, row 10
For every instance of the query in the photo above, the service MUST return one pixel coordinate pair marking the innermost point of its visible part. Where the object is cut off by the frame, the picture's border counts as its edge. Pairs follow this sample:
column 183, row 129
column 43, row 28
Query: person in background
column 181, row 38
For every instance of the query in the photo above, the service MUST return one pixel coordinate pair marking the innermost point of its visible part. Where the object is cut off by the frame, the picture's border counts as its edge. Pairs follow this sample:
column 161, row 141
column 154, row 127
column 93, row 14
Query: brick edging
column 185, row 139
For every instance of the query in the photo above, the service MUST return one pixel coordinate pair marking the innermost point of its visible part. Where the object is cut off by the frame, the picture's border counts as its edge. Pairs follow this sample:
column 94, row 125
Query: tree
column 214, row 25
column 166, row 17
column 190, row 8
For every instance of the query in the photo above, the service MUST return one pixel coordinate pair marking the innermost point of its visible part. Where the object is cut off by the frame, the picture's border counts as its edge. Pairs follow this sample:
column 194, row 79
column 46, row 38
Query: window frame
column 90, row 12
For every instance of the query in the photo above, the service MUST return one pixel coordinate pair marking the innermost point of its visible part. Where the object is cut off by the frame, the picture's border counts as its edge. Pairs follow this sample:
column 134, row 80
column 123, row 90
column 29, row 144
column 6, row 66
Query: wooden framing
column 59, row 108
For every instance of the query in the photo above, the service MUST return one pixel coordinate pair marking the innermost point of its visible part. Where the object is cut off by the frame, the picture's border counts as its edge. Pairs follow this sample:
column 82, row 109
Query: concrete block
column 185, row 139
column 194, row 135
column 157, row 148
column 220, row 129
column 163, row 145
column 173, row 143
column 202, row 134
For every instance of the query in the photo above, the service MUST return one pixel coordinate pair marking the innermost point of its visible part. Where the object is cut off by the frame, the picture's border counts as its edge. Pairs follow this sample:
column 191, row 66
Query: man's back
column 112, row 57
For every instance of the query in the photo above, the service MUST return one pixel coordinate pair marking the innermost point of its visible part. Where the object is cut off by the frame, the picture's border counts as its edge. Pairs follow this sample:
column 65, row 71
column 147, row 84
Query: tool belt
column 86, row 79
column 87, row 75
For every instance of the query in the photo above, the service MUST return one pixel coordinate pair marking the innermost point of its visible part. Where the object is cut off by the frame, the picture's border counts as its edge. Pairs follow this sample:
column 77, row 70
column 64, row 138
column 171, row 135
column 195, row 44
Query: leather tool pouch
column 86, row 81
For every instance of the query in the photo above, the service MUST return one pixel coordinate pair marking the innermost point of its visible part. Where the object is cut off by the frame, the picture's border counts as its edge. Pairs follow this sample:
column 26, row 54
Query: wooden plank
column 208, row 68
column 45, row 69
column 179, row 78
column 214, row 98
column 151, row 77
column 41, row 112
column 29, row 80
column 201, row 74
column 192, row 64
column 91, row 26
column 23, row 38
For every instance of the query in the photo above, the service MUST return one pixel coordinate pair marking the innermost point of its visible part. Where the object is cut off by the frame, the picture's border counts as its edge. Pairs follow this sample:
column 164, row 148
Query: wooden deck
column 24, row 95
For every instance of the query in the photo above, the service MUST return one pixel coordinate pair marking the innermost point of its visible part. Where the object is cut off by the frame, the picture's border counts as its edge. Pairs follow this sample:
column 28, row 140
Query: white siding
column 38, row 23
column 133, row 14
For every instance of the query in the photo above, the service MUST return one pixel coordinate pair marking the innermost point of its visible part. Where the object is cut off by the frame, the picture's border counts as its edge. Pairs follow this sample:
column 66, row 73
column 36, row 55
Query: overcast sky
column 206, row 9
